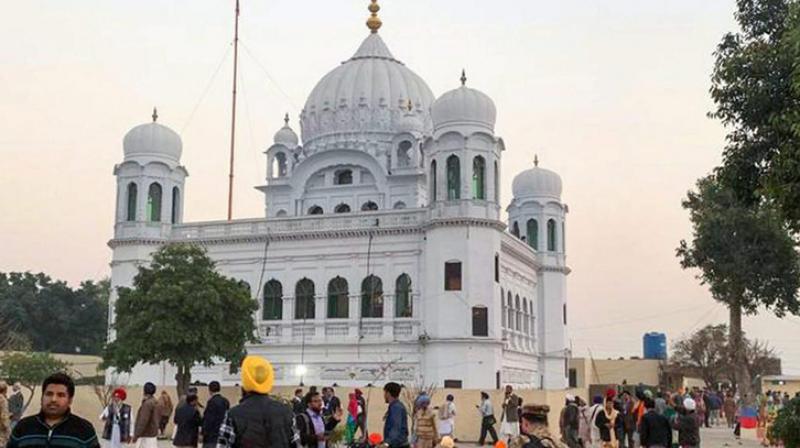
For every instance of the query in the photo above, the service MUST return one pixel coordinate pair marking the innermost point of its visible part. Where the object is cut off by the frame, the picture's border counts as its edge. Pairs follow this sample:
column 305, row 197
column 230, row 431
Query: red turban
column 120, row 393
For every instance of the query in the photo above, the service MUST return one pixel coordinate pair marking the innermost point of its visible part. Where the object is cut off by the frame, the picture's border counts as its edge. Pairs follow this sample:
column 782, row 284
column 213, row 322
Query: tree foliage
column 707, row 353
column 786, row 427
column 181, row 310
column 756, row 89
column 30, row 369
column 48, row 315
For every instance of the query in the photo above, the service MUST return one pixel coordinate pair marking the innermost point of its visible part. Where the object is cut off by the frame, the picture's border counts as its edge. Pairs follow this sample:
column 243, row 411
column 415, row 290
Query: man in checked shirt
column 258, row 421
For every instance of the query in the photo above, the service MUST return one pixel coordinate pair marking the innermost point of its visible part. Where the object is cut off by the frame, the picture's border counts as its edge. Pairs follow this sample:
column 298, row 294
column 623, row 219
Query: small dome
column 410, row 123
column 464, row 105
column 153, row 141
column 537, row 182
column 286, row 136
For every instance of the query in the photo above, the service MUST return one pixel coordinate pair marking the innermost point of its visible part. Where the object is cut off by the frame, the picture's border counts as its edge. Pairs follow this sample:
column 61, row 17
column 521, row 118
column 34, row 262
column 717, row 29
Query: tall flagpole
column 233, row 111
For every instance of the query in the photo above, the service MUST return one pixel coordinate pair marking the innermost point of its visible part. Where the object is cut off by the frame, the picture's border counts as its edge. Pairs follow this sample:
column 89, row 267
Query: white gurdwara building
column 382, row 255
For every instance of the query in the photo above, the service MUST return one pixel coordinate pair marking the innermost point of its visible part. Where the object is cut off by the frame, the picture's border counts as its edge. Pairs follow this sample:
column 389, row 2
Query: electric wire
column 208, row 87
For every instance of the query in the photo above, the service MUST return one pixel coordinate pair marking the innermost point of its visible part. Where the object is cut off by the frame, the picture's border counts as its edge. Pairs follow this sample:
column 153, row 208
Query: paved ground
column 711, row 438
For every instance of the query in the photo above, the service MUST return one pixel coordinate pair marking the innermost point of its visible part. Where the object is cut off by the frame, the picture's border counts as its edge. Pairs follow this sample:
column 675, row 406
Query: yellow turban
column 257, row 375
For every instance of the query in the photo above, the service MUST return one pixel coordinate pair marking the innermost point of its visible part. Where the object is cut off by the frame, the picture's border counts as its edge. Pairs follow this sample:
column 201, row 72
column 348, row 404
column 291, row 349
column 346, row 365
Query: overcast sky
column 611, row 94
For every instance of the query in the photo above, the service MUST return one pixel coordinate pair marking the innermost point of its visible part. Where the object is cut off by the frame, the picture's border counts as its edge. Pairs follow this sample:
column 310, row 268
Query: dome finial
column 409, row 105
column 463, row 77
column 374, row 22
column 155, row 115
column 536, row 160
column 286, row 119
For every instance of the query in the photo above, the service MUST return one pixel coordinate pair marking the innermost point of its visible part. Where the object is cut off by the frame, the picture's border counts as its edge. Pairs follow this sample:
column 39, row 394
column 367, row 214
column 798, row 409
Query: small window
column 480, row 321
column 315, row 210
column 304, row 299
column 497, row 268
column 343, row 177
column 154, row 202
column 273, row 300
column 452, row 276
column 573, row 378
column 399, row 205
column 551, row 235
column 453, row 178
column 565, row 314
column 503, row 306
column 369, row 206
column 496, row 183
column 478, row 178
column 176, row 204
column 342, row 208
column 515, row 229
column 279, row 168
column 402, row 296
column 510, row 310
column 372, row 297
column 432, row 199
column 338, row 299
column 404, row 153
column 281, row 213
column 518, row 313
column 453, row 384
column 532, row 228
column 132, row 201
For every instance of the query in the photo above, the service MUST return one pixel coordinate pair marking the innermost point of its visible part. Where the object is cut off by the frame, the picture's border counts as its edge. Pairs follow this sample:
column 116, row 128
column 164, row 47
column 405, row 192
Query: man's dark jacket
column 188, row 420
column 214, row 415
column 655, row 430
column 262, row 422
column 71, row 432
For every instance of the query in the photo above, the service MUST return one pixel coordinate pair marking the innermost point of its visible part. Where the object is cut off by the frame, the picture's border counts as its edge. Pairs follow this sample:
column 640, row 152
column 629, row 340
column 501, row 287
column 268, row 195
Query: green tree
column 181, row 310
column 756, row 89
column 745, row 255
column 787, row 425
column 30, row 369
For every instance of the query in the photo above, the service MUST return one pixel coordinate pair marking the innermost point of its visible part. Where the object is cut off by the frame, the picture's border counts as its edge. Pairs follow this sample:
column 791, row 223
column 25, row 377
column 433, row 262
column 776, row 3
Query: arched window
column 176, row 203
column 399, row 205
column 518, row 313
column 503, row 306
column 433, row 182
column 281, row 213
column 497, row 268
column 343, row 177
column 342, row 208
column 563, row 237
column 496, row 183
column 404, row 153
column 154, row 202
column 453, row 178
column 515, row 229
column 510, row 310
column 533, row 233
column 525, row 315
column 315, row 210
column 279, row 169
column 551, row 235
column 402, row 296
column 338, row 299
column 369, row 206
column 133, row 192
column 304, row 299
column 273, row 300
column 372, row 297
column 478, row 178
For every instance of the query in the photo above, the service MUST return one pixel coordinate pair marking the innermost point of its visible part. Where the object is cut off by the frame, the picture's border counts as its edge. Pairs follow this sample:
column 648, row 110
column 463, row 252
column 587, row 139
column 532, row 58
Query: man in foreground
column 533, row 427
column 216, row 408
column 55, row 426
column 655, row 430
column 395, row 428
column 258, row 421
column 312, row 426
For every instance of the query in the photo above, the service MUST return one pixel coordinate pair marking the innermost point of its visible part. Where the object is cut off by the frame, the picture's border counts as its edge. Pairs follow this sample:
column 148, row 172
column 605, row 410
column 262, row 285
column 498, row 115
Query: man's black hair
column 191, row 399
column 60, row 378
column 649, row 403
column 214, row 387
column 149, row 388
column 393, row 389
column 534, row 418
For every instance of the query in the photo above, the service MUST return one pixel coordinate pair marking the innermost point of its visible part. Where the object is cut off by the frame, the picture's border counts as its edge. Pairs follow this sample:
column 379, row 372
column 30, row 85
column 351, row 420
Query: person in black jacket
column 687, row 426
column 330, row 401
column 216, row 408
column 54, row 426
column 655, row 430
column 187, row 419
column 311, row 425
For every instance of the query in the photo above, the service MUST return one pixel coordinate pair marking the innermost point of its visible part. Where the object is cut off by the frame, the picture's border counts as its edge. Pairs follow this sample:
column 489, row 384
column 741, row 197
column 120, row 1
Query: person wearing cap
column 425, row 423
column 117, row 418
column 258, row 421
column 447, row 417
column 687, row 425
column 534, row 432
column 569, row 422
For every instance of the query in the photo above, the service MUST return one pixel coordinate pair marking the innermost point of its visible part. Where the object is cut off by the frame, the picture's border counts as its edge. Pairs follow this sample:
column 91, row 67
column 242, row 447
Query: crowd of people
column 312, row 419
column 621, row 419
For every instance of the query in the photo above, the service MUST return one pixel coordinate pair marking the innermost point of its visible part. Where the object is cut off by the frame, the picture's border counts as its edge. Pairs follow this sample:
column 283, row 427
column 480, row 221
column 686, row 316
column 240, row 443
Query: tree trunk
column 740, row 372
column 183, row 378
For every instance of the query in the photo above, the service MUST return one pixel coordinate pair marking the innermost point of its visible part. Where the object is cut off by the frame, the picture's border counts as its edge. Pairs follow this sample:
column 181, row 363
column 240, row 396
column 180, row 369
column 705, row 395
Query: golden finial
column 536, row 160
column 463, row 77
column 374, row 22
column 155, row 115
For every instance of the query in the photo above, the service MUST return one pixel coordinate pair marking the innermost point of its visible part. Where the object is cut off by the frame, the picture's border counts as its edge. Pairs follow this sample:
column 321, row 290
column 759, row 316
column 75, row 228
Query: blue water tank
column 655, row 345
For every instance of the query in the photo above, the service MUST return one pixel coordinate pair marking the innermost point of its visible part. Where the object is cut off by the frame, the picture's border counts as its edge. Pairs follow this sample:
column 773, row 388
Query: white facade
column 382, row 255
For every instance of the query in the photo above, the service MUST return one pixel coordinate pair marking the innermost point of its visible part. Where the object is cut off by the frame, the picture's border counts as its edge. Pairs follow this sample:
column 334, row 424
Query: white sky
column 612, row 94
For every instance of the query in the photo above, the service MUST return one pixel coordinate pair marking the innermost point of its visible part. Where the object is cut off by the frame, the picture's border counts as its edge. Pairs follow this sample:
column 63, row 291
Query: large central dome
column 368, row 93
